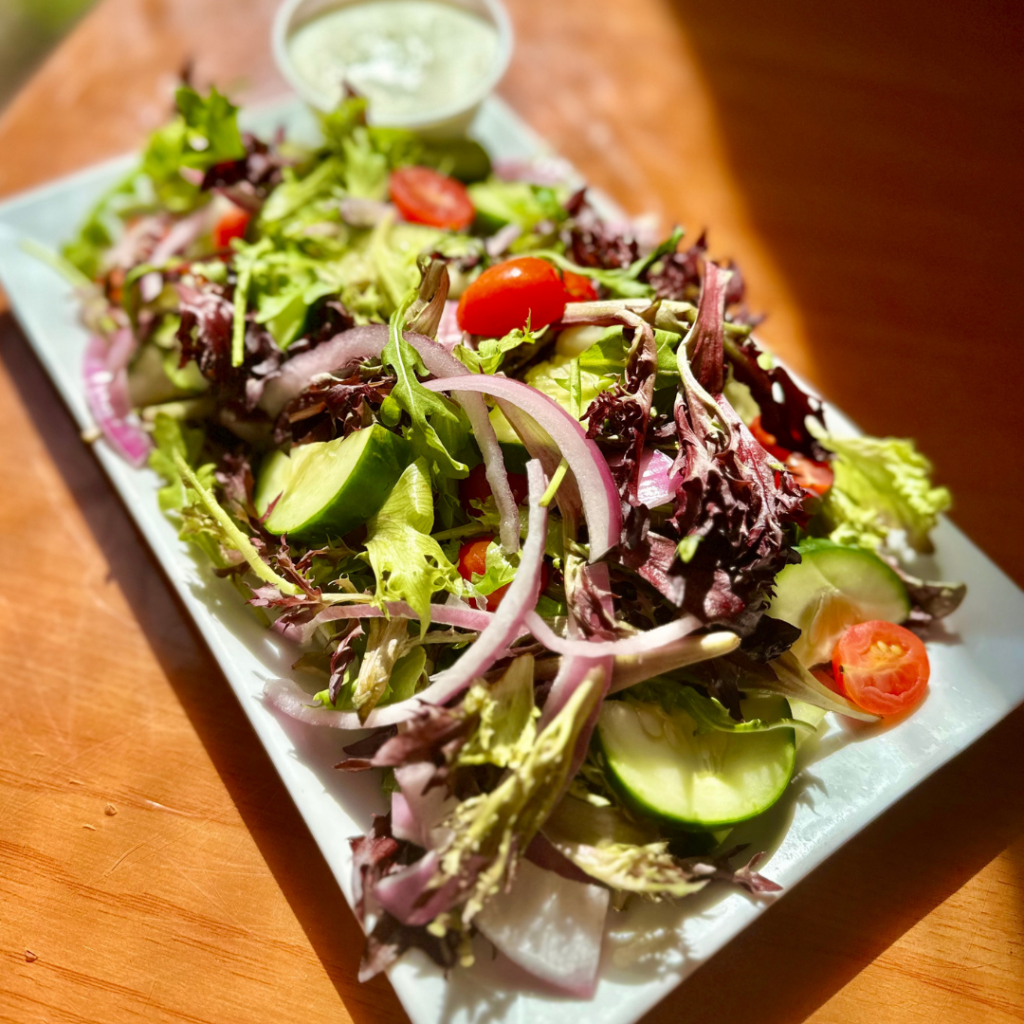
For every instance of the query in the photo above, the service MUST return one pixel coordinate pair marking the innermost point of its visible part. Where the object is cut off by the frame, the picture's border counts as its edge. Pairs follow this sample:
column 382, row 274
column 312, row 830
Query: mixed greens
column 525, row 494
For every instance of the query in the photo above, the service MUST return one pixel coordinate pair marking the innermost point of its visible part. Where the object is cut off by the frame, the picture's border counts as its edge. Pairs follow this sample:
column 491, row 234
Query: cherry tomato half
column 473, row 560
column 881, row 667
column 476, row 488
column 578, row 287
column 232, row 224
column 504, row 296
column 768, row 441
column 425, row 196
column 809, row 474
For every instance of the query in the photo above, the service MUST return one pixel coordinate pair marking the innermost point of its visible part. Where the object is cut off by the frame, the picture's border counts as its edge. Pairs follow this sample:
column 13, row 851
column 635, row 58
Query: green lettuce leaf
column 708, row 713
column 211, row 129
column 499, row 570
column 497, row 827
column 408, row 563
column 500, row 202
column 172, row 438
column 490, row 353
column 506, row 729
column 881, row 485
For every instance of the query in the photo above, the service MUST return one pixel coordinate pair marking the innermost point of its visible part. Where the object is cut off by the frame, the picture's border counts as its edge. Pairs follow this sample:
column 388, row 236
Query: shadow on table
column 265, row 806
column 879, row 154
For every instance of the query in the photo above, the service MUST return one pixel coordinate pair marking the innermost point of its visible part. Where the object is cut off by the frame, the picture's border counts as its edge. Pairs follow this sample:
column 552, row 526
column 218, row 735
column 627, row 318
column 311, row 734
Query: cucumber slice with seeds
column 695, row 782
column 832, row 588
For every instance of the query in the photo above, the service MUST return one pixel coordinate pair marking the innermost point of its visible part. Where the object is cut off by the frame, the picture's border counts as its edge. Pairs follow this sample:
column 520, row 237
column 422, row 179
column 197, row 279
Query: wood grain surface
column 862, row 162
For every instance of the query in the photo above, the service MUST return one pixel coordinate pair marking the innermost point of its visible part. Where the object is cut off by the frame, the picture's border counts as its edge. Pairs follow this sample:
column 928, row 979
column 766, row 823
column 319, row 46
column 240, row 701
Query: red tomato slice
column 231, row 225
column 504, row 296
column 881, row 667
column 476, row 488
column 768, row 441
column 473, row 559
column 425, row 196
column 809, row 474
column 578, row 287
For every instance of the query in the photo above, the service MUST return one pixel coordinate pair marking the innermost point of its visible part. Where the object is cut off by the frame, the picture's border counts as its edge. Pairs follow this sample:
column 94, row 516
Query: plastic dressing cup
column 425, row 65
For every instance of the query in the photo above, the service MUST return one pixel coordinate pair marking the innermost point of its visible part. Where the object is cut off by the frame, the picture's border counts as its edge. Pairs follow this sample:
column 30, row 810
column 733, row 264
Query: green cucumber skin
column 385, row 464
column 380, row 466
column 836, row 560
column 671, row 823
column 515, row 457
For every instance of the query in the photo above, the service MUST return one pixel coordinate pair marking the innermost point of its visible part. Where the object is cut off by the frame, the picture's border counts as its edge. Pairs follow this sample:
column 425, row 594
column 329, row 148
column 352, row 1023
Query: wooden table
column 863, row 164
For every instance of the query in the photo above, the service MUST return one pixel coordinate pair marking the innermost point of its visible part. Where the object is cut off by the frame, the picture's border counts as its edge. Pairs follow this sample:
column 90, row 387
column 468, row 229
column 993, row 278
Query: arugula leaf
column 408, row 563
column 431, row 415
column 211, row 129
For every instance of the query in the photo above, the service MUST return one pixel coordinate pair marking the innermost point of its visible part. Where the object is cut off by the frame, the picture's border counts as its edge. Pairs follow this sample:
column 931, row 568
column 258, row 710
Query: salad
column 535, row 509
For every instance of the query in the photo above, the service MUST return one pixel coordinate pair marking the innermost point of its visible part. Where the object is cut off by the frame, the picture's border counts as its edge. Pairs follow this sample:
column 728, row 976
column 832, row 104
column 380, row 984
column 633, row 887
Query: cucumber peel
column 327, row 489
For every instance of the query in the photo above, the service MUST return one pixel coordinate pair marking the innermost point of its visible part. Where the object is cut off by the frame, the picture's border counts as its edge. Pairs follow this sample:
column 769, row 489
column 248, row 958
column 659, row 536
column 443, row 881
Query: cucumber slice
column 515, row 457
column 832, row 588
column 696, row 783
column 331, row 487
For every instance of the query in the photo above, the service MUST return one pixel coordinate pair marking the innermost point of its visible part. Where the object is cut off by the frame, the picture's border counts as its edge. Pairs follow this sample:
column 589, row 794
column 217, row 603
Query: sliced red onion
column 449, row 333
column 460, row 616
column 504, row 627
column 441, row 363
column 550, row 926
column 640, row 643
column 598, row 493
column 365, row 213
column 182, row 234
column 104, row 368
column 418, row 808
column 658, row 484
column 344, row 350
column 632, row 669
column 540, row 446
column 401, row 894
column 498, row 244
column 519, row 599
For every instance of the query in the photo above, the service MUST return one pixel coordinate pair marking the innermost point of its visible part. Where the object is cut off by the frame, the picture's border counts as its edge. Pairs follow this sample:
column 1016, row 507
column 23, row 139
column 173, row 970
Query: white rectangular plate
column 848, row 778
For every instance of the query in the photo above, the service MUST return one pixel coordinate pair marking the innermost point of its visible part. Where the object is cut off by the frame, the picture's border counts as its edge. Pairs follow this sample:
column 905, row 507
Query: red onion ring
column 641, row 643
column 658, row 484
column 104, row 368
column 598, row 494
column 343, row 350
column 460, row 616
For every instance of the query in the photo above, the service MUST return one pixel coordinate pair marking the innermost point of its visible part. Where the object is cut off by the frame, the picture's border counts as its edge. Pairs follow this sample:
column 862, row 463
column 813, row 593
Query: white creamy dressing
column 407, row 57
